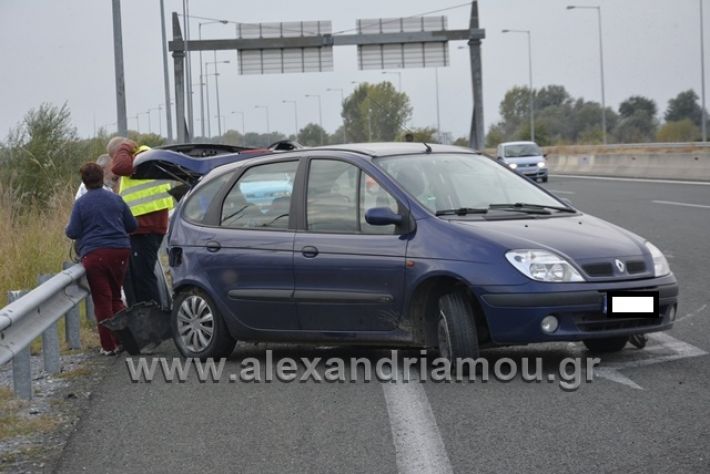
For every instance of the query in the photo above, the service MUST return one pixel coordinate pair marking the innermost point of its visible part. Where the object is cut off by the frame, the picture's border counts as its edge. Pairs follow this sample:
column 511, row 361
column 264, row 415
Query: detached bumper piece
column 139, row 326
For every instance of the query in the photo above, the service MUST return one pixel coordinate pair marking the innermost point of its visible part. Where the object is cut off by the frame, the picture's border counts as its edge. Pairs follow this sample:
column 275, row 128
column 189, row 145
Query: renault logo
column 619, row 264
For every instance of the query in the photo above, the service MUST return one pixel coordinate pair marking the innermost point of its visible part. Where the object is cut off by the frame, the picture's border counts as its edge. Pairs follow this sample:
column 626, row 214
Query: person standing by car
column 100, row 223
column 149, row 202
column 110, row 179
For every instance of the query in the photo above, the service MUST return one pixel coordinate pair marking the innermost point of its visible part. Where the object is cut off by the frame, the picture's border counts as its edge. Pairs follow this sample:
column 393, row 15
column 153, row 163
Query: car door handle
column 213, row 246
column 309, row 251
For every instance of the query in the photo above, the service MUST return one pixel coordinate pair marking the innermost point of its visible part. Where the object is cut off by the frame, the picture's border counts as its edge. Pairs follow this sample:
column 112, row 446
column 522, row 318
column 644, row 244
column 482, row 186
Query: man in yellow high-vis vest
column 149, row 202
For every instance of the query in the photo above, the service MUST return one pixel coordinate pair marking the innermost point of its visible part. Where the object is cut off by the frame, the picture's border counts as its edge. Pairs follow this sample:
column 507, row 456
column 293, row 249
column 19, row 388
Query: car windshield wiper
column 530, row 208
column 462, row 211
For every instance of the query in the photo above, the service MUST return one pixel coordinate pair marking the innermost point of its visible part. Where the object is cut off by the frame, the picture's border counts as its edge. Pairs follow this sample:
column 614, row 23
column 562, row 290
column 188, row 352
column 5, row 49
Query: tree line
column 562, row 119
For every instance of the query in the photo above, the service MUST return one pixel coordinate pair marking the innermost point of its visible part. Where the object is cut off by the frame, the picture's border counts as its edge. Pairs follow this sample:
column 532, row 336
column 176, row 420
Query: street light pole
column 601, row 60
column 168, row 115
column 216, row 85
column 530, row 79
column 342, row 106
column 320, row 117
column 202, row 100
column 438, row 116
column 242, row 114
column 295, row 112
column 265, row 107
column 702, row 73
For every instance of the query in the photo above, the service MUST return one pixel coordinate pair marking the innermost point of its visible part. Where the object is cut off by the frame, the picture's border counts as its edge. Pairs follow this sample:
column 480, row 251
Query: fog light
column 549, row 324
column 672, row 313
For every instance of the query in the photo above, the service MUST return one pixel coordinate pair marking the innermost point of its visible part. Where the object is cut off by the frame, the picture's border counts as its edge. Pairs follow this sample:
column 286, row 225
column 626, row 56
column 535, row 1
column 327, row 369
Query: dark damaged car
column 400, row 244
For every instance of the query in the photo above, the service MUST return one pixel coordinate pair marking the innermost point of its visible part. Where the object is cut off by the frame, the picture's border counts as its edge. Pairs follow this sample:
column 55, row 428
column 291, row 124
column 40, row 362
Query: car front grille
column 606, row 269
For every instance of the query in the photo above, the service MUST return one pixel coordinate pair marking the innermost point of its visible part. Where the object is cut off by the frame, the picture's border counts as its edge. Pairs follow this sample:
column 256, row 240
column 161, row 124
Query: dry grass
column 33, row 240
column 34, row 243
column 14, row 423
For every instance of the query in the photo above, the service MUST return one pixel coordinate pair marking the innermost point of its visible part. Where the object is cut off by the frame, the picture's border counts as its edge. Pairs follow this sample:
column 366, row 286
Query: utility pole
column 121, row 118
column 168, row 112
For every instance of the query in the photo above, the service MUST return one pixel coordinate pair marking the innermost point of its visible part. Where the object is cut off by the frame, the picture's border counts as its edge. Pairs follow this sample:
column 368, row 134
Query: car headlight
column 542, row 164
column 542, row 265
column 512, row 165
column 660, row 264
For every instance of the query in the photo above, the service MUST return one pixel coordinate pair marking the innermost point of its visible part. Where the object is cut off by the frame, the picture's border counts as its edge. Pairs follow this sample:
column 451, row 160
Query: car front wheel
column 456, row 327
column 198, row 328
column 607, row 344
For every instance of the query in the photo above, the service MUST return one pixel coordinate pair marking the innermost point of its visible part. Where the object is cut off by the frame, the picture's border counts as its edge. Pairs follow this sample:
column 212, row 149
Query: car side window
column 332, row 197
column 372, row 195
column 197, row 205
column 261, row 197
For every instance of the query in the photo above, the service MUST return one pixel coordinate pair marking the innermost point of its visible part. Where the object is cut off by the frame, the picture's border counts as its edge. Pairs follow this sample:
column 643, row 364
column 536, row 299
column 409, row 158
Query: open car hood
column 187, row 163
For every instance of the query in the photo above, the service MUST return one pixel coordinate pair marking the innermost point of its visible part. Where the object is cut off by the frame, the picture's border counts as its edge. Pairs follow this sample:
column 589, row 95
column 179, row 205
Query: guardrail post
column 50, row 341
column 21, row 366
column 72, row 323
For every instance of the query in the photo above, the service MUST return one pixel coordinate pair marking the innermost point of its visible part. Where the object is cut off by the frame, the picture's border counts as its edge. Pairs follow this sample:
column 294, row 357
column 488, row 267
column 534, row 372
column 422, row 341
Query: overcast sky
column 62, row 51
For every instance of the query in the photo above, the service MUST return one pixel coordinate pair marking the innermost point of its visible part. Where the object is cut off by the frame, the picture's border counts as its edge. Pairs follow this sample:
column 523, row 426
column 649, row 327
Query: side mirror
column 382, row 216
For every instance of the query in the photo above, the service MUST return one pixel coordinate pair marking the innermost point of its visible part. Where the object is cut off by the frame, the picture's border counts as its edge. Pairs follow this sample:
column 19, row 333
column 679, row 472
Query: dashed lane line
column 417, row 440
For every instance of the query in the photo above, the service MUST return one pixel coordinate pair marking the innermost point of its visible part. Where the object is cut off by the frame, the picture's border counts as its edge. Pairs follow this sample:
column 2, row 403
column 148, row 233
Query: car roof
column 519, row 143
column 394, row 148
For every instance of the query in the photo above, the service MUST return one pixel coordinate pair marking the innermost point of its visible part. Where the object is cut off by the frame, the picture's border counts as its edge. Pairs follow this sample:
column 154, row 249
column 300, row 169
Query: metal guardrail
column 36, row 313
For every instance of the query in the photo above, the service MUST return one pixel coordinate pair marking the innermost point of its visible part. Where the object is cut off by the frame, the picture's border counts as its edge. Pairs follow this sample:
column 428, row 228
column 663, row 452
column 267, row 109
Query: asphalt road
column 645, row 411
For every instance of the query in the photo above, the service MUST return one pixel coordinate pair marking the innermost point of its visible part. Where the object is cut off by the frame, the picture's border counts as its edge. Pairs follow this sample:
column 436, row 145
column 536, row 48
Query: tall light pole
column 216, row 86
column 166, row 80
column 242, row 114
column 601, row 59
column 295, row 112
column 399, row 78
column 265, row 107
column 702, row 73
column 530, row 79
column 188, row 64
column 202, row 99
column 138, row 122
column 320, row 117
column 159, row 108
column 150, row 128
column 342, row 106
column 438, row 115
column 121, row 118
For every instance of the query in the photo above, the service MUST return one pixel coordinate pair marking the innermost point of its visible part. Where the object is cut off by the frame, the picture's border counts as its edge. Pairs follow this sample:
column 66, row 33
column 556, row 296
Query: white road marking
column 417, row 441
column 692, row 313
column 557, row 191
column 685, row 204
column 662, row 348
column 635, row 180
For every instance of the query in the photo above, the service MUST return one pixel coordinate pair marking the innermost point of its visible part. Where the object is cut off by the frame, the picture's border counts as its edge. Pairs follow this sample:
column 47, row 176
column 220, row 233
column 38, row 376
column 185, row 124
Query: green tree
column 42, row 153
column 262, row 139
column 637, row 122
column 375, row 112
column 680, row 131
column 684, row 105
column 232, row 137
column 338, row 136
column 312, row 135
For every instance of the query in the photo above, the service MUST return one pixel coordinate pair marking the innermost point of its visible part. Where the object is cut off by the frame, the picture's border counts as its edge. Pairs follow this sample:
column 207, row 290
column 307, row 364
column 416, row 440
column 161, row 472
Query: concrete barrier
column 624, row 162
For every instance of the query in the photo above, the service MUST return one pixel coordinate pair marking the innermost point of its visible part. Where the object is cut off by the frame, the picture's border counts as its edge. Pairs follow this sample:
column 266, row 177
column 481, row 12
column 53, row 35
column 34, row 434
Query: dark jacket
column 100, row 219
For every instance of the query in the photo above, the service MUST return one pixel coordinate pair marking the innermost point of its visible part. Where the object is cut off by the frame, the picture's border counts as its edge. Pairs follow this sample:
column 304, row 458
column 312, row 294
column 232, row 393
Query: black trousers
column 140, row 283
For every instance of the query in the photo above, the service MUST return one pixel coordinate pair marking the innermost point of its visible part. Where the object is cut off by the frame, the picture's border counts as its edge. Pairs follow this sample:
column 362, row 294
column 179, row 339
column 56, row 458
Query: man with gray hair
column 110, row 179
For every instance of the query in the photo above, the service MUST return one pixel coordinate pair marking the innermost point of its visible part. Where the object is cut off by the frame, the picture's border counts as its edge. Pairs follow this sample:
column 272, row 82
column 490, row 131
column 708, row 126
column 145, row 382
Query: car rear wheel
column 608, row 344
column 198, row 328
column 456, row 327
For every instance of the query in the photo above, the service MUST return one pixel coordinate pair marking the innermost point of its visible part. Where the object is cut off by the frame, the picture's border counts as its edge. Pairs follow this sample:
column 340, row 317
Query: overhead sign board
column 406, row 54
column 285, row 60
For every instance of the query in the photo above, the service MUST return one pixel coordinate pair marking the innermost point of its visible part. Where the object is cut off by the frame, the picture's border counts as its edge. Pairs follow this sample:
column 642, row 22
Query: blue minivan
column 400, row 244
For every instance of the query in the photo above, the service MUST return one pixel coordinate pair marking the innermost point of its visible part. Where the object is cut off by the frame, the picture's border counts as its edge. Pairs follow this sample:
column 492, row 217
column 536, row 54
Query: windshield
column 522, row 149
column 452, row 181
